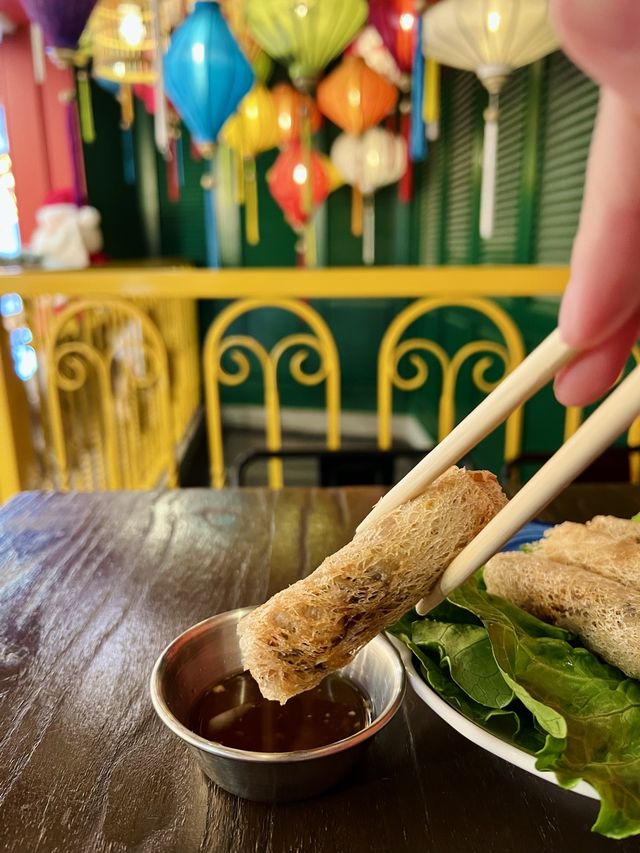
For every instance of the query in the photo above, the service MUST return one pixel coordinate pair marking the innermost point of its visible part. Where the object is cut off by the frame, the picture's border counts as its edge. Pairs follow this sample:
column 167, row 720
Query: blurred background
column 279, row 241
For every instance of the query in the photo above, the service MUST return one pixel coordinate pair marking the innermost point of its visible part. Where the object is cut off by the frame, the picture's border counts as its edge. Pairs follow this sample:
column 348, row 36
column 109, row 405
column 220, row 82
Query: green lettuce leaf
column 466, row 651
column 590, row 709
column 513, row 724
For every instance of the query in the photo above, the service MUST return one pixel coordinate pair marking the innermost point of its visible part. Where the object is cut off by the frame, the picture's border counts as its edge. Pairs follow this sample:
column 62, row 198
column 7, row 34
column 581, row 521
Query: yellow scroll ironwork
column 237, row 346
column 393, row 350
column 108, row 398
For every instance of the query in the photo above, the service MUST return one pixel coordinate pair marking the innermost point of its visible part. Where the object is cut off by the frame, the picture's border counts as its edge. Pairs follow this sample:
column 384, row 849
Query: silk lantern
column 128, row 40
column 206, row 76
column 251, row 131
column 395, row 20
column 492, row 38
column 355, row 97
column 290, row 106
column 299, row 182
column 61, row 23
column 368, row 162
column 305, row 35
column 399, row 24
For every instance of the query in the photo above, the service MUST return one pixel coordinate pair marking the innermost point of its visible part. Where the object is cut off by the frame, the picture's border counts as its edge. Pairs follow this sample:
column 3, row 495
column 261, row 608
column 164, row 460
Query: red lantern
column 294, row 183
column 396, row 21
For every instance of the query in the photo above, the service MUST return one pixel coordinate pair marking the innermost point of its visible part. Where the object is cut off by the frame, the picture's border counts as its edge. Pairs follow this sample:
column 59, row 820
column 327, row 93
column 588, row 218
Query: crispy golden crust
column 315, row 626
column 607, row 546
column 603, row 612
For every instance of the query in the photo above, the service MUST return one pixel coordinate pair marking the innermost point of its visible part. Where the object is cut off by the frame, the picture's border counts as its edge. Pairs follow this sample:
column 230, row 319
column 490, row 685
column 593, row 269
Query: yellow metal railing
column 150, row 414
column 116, row 394
column 108, row 398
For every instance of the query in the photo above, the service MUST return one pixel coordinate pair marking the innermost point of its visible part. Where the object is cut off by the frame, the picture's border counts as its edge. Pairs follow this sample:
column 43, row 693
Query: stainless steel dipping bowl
column 209, row 652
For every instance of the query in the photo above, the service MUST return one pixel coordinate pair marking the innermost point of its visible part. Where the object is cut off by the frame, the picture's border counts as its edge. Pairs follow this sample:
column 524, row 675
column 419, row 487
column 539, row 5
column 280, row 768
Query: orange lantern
column 355, row 97
column 291, row 105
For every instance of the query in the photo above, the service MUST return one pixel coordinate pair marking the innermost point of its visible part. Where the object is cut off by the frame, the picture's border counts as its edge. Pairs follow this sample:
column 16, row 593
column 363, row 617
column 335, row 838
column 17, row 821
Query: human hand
column 600, row 311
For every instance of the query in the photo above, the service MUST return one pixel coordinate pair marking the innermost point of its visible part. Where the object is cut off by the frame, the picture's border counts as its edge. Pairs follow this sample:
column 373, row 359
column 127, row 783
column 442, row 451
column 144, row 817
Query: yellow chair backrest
column 108, row 398
column 319, row 340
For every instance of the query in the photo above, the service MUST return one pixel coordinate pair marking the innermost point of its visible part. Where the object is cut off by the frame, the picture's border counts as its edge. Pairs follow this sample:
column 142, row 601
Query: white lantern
column 492, row 38
column 368, row 162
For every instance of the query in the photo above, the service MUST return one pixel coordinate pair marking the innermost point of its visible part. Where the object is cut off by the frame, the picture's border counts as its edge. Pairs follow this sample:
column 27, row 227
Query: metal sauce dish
column 209, row 652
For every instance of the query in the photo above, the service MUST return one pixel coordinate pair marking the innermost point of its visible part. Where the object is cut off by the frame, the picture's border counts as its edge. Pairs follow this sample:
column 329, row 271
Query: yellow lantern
column 123, row 43
column 127, row 39
column 251, row 131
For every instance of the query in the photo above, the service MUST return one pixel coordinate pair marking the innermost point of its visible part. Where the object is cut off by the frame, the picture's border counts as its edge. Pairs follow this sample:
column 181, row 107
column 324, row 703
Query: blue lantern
column 206, row 75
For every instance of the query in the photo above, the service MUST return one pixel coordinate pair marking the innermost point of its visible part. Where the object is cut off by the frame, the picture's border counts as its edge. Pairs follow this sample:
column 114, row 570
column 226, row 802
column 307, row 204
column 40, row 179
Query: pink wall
column 36, row 125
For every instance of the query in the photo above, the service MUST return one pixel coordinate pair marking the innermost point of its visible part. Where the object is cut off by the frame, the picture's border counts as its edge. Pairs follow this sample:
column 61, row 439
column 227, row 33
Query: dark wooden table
column 92, row 587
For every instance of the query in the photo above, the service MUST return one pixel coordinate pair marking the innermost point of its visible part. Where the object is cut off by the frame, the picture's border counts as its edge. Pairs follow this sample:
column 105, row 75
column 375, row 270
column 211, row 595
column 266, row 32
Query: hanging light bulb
column 123, row 43
column 300, row 174
column 131, row 27
column 493, row 21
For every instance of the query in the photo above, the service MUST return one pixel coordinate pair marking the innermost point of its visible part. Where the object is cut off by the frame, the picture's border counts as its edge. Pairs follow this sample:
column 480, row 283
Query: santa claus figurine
column 68, row 235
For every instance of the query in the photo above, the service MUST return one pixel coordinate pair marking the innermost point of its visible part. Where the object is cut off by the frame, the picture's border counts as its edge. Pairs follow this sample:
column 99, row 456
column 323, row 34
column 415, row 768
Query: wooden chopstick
column 521, row 384
column 597, row 433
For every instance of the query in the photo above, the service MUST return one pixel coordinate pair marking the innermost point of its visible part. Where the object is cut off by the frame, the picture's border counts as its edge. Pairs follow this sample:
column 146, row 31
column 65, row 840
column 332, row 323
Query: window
column 9, row 228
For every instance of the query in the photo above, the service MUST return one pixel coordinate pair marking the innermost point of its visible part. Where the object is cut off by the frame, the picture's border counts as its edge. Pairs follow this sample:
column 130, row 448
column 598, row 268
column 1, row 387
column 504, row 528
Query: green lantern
column 305, row 35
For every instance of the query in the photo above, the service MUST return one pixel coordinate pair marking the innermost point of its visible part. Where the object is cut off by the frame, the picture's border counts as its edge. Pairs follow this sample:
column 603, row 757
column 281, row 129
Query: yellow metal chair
column 318, row 340
column 393, row 349
column 108, row 398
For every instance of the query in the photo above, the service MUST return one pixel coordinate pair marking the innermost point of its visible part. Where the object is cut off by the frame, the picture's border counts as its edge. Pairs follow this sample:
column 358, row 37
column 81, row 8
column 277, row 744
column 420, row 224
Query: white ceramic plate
column 473, row 732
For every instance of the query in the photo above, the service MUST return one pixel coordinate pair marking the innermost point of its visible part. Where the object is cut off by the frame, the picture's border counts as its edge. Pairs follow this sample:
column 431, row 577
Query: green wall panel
column 116, row 200
column 568, row 111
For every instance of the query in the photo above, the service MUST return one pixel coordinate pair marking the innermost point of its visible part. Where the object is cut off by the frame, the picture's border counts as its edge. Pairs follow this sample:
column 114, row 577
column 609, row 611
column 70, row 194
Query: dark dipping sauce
column 234, row 713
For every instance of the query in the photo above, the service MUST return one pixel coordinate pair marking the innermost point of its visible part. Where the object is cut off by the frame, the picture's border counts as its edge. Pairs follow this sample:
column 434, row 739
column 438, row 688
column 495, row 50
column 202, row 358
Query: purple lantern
column 62, row 22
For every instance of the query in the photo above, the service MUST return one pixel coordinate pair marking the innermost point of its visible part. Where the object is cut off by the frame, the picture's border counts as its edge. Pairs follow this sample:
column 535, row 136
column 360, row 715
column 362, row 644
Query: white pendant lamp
column 492, row 38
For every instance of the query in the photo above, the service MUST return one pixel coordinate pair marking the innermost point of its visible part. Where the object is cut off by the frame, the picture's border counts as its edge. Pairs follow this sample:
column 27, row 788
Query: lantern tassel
column 75, row 147
column 160, row 118
column 310, row 249
column 173, row 177
column 85, row 108
column 369, row 231
column 239, row 186
column 126, row 105
column 252, row 227
column 405, row 187
column 356, row 212
column 432, row 99
column 213, row 245
column 489, row 168
column 418, row 135
column 305, row 140
column 228, row 215
column 128, row 156
column 37, row 54
column 180, row 159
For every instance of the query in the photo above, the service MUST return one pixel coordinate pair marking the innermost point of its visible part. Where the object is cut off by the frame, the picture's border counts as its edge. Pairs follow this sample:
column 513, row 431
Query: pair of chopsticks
column 611, row 419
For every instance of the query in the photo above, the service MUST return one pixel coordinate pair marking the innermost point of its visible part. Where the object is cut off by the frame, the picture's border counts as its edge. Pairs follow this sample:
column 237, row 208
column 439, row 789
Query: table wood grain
column 92, row 587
